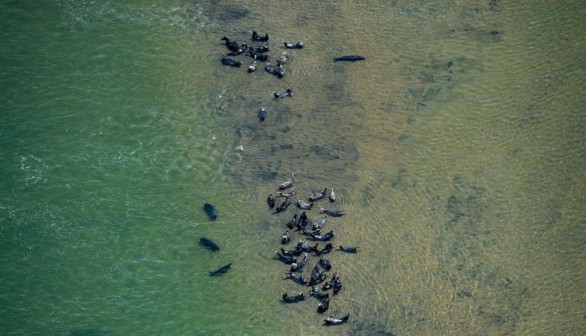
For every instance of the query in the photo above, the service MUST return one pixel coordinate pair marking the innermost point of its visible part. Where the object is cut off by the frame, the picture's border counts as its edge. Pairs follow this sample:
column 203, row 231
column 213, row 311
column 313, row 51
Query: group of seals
column 311, row 237
column 280, row 201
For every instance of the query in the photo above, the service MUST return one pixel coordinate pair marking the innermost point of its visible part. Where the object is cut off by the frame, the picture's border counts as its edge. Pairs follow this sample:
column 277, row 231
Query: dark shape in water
column 258, row 38
column 243, row 48
column 297, row 278
column 349, row 58
column 287, row 183
column 317, row 294
column 324, row 304
column 327, row 249
column 283, row 206
column 210, row 245
column 333, row 213
column 210, row 211
column 349, row 249
column 318, row 195
column 286, row 259
column 262, row 114
column 336, row 321
column 286, row 93
column 286, row 237
column 271, row 201
column 294, row 298
column 275, row 70
column 325, row 263
column 294, row 45
column 231, row 45
column 230, row 62
column 332, row 196
column 252, row 67
column 221, row 270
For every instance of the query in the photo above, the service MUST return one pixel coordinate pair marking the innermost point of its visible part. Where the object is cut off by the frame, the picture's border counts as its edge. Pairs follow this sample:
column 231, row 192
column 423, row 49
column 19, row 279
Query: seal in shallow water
column 294, row 298
column 210, row 245
column 258, row 38
column 294, row 45
column 210, row 210
column 349, row 58
column 336, row 321
column 231, row 45
column 221, row 270
column 230, row 62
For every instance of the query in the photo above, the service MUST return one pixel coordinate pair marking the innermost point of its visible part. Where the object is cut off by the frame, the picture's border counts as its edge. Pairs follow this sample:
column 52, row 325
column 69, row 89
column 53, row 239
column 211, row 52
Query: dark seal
column 210, row 211
column 221, row 270
column 210, row 245
column 349, row 58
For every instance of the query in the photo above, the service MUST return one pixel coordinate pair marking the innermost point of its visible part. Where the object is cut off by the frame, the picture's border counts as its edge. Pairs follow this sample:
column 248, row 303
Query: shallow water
column 455, row 149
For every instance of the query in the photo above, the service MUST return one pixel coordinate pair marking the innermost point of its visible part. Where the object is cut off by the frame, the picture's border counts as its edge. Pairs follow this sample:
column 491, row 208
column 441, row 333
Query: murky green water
column 455, row 149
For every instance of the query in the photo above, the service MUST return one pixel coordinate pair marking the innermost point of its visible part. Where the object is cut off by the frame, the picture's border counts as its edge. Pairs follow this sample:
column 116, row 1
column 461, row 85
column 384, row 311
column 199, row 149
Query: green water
column 456, row 150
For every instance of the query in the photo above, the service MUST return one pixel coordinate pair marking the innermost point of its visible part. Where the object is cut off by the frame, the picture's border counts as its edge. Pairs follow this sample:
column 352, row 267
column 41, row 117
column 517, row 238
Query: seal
column 349, row 249
column 258, row 38
column 271, row 201
column 221, row 270
column 293, row 298
column 333, row 213
column 283, row 59
column 327, row 249
column 294, row 45
column 349, row 58
column 227, row 61
column 291, row 223
column 286, row 93
column 287, row 183
column 243, row 48
column 252, row 67
column 275, row 70
column 262, row 114
column 318, row 195
column 303, row 205
column 283, row 206
column 317, row 276
column 210, row 245
column 332, row 196
column 325, row 263
column 324, row 304
column 336, row 283
column 210, row 210
column 298, row 267
column 286, row 237
column 289, row 194
column 324, row 238
column 231, row 45
column 336, row 321
column 297, row 278
column 320, row 224
column 317, row 294
column 286, row 259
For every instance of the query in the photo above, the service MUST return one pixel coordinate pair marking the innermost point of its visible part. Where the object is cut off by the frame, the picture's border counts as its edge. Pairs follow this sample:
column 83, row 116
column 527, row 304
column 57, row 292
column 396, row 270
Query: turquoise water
column 456, row 149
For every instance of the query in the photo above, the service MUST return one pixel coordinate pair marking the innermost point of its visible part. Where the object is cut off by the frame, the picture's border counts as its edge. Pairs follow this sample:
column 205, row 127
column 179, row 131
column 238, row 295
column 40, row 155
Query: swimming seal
column 294, row 298
column 210, row 245
column 336, row 321
column 210, row 210
column 349, row 58
column 221, row 270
